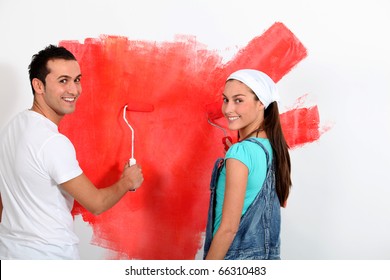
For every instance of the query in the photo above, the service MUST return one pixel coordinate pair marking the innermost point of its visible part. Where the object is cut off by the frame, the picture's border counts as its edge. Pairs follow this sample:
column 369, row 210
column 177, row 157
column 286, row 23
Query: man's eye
column 63, row 81
column 238, row 101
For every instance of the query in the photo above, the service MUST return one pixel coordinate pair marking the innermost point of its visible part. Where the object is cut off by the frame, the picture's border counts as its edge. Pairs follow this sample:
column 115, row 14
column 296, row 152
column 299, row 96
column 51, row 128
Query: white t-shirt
column 36, row 220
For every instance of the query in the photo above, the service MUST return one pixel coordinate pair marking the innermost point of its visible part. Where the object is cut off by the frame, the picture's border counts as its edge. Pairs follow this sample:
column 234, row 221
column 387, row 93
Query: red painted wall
column 174, row 144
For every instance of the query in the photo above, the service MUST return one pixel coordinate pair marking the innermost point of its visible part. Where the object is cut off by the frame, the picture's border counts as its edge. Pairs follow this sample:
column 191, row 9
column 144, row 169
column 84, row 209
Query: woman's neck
column 258, row 134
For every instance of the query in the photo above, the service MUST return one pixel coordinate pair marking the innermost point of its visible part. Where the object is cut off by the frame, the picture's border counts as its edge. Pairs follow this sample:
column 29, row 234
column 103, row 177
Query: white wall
column 339, row 204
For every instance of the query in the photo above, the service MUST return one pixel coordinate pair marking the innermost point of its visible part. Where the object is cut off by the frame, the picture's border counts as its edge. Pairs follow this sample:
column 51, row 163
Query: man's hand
column 133, row 176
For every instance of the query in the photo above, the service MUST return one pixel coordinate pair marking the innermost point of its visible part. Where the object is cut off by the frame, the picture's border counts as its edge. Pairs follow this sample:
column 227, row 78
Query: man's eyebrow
column 68, row 77
column 63, row 76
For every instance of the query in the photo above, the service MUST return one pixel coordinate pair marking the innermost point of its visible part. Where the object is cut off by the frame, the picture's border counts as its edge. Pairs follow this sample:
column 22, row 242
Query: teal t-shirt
column 253, row 156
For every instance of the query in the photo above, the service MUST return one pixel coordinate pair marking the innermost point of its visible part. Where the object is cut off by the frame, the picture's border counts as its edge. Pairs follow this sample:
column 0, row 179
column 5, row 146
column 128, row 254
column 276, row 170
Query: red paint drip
column 174, row 144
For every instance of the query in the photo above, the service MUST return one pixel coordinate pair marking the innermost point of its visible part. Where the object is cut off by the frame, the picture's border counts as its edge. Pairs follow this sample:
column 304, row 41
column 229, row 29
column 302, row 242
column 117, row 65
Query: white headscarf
column 261, row 84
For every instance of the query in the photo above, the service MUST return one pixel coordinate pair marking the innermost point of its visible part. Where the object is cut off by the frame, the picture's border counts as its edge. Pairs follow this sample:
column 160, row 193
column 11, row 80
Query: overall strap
column 262, row 146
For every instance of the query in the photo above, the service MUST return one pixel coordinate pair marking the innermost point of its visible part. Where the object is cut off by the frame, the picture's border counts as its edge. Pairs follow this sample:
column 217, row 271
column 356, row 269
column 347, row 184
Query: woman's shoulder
column 250, row 147
column 247, row 146
column 249, row 152
column 253, row 142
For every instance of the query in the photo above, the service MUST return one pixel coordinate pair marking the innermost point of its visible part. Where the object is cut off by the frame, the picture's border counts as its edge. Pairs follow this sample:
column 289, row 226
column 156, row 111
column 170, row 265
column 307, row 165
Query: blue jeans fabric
column 258, row 235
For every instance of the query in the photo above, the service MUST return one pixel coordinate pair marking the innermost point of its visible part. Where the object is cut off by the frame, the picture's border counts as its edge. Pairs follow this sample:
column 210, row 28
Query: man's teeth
column 233, row 118
column 69, row 99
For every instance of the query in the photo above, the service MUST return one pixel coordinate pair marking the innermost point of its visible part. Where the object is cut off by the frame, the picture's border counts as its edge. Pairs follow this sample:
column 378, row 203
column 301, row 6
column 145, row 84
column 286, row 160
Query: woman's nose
column 227, row 107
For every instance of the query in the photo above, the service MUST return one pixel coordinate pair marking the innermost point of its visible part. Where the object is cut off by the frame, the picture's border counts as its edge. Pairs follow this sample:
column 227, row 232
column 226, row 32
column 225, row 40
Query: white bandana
column 261, row 84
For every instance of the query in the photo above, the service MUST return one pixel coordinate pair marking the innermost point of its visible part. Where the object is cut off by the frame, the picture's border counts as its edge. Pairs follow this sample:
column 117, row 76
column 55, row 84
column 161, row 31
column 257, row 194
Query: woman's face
column 243, row 112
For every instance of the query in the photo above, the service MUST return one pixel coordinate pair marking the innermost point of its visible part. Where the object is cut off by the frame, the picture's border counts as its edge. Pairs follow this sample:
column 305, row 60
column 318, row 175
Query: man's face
column 63, row 86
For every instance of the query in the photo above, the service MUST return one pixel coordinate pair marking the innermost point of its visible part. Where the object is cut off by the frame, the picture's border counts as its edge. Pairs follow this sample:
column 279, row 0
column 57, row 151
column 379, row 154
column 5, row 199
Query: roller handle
column 132, row 162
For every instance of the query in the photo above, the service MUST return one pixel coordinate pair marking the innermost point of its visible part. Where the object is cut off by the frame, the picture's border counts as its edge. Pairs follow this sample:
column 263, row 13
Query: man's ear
column 38, row 86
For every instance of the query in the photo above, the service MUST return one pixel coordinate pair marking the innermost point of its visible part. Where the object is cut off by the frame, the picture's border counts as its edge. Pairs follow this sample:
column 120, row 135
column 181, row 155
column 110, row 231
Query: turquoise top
column 253, row 156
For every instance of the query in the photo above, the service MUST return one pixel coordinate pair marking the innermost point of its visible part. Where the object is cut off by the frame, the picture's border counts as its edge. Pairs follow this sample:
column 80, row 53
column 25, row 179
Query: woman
column 253, row 181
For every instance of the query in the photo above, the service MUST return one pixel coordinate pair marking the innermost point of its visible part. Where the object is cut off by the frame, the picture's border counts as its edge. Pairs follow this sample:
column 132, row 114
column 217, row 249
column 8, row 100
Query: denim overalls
column 258, row 235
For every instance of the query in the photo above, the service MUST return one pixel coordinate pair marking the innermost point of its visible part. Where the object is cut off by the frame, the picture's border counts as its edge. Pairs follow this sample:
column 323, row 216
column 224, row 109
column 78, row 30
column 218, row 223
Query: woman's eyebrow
column 234, row 96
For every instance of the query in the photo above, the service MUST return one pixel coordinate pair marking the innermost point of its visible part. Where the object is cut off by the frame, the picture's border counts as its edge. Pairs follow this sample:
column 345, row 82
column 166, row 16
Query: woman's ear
column 38, row 86
column 261, row 106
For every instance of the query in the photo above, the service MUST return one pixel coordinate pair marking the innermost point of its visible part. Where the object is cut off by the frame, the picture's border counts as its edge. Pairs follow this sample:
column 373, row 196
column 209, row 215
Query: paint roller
column 135, row 107
column 214, row 112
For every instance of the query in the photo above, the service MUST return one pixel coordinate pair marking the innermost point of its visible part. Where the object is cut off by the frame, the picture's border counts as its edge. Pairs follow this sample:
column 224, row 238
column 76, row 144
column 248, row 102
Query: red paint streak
column 174, row 144
column 300, row 126
column 275, row 52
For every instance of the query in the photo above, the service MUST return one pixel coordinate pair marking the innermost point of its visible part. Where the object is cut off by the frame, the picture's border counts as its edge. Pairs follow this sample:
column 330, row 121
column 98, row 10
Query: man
column 39, row 174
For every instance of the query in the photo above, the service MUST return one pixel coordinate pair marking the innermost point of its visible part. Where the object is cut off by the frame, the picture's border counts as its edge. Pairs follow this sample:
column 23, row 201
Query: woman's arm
column 236, row 180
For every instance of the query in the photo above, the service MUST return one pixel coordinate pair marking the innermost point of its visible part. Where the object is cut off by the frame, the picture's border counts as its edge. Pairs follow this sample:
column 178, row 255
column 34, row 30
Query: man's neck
column 38, row 109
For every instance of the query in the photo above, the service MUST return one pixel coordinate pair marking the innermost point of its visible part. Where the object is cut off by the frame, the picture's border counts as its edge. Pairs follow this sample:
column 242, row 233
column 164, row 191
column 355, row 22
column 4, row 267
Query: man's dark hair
column 38, row 66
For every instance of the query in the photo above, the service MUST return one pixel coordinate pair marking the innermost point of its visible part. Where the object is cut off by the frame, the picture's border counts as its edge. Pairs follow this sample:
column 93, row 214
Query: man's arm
column 97, row 200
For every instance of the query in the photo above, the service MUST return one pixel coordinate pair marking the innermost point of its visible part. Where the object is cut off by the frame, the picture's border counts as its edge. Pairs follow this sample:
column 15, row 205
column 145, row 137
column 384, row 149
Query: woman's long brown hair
column 271, row 125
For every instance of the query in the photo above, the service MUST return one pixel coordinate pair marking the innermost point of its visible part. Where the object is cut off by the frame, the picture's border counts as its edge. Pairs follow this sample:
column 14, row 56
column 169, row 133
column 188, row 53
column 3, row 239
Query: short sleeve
column 240, row 152
column 59, row 159
column 250, row 154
